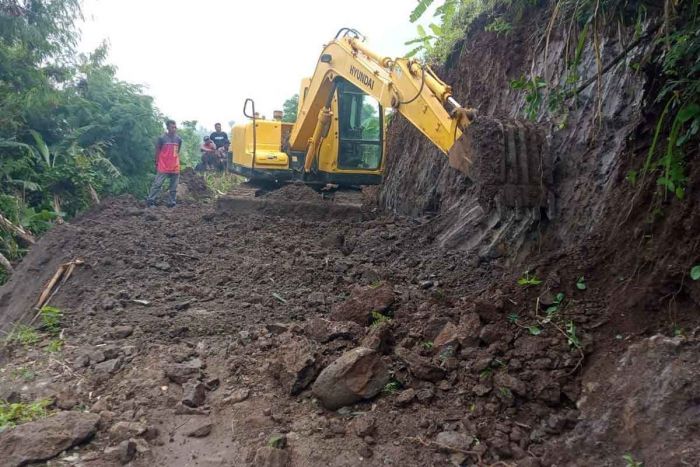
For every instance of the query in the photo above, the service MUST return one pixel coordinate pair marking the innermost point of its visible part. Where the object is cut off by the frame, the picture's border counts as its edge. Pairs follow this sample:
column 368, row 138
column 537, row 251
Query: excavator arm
column 405, row 85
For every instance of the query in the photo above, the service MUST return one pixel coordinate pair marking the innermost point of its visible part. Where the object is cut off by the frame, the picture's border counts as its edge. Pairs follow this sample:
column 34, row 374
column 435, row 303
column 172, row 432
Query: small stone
column 238, row 395
column 201, row 431
column 180, row 373
column 162, row 265
column 122, row 332
column 425, row 284
column 193, row 394
column 271, row 457
column 97, row 356
column 453, row 441
column 125, row 430
column 109, row 366
column 425, row 394
column 276, row 328
column 406, row 397
column 365, row 451
column 82, row 361
column 481, row 390
column 124, row 452
column 364, row 426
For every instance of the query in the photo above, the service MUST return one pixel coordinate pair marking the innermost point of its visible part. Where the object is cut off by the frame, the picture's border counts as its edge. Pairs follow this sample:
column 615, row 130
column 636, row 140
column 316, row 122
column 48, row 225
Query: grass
column 378, row 319
column 55, row 345
column 221, row 182
column 24, row 374
column 14, row 414
column 24, row 335
column 527, row 279
column 51, row 319
column 391, row 387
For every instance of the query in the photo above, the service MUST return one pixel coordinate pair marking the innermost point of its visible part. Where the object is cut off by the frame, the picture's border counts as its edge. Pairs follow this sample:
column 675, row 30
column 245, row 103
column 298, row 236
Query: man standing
column 220, row 138
column 167, row 165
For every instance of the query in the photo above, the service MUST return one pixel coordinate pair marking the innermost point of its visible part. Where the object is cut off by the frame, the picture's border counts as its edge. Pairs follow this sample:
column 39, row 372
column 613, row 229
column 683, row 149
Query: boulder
column 362, row 302
column 357, row 374
column 46, row 438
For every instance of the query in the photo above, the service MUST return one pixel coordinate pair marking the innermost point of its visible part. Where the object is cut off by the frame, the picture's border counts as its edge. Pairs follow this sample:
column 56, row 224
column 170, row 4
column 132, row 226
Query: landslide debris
column 188, row 317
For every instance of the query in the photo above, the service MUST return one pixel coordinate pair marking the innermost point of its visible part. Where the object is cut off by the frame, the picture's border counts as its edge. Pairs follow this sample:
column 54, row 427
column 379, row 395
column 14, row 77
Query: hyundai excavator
column 339, row 135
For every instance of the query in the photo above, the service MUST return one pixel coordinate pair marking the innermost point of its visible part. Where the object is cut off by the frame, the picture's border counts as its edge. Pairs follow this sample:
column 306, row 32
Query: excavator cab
column 352, row 152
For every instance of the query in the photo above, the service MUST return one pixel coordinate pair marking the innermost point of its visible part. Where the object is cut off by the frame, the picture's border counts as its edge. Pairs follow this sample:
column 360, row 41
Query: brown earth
column 197, row 333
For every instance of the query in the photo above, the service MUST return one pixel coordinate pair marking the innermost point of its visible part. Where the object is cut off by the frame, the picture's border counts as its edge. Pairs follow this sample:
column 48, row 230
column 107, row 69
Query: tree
column 290, row 109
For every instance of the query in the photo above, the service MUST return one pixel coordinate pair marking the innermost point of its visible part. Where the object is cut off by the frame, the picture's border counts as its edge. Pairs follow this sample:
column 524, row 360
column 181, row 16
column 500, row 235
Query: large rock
column 44, row 439
column 296, row 365
column 358, row 374
column 646, row 403
column 362, row 302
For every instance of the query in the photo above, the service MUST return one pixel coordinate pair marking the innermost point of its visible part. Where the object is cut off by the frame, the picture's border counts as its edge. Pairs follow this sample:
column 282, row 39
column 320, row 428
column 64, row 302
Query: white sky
column 201, row 60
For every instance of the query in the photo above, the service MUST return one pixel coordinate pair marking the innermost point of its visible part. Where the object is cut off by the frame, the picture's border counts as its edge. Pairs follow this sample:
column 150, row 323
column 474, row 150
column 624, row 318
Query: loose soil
column 565, row 334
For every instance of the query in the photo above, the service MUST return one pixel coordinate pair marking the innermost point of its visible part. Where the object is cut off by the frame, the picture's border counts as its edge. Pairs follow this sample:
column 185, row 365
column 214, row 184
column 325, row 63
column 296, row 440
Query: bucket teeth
column 507, row 159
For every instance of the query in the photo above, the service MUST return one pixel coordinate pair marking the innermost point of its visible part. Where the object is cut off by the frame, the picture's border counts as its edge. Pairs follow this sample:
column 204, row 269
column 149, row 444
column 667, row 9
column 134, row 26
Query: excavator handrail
column 255, row 142
column 349, row 31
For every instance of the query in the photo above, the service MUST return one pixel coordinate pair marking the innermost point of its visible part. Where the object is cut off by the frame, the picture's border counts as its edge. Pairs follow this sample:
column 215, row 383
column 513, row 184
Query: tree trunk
column 17, row 231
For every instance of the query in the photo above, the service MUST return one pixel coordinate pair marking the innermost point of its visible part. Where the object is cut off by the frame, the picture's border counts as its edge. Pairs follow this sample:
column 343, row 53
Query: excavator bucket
column 508, row 160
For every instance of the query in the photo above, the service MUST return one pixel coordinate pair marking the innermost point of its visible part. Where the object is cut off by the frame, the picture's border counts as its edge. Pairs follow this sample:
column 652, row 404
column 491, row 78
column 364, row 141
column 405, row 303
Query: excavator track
column 293, row 200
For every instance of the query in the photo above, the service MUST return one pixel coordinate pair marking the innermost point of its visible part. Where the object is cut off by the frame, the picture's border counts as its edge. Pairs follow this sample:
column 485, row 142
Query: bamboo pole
column 17, row 231
column 6, row 264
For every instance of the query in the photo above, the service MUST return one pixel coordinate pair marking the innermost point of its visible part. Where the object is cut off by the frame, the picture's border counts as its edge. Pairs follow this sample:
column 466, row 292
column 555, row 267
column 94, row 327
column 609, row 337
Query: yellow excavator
column 339, row 135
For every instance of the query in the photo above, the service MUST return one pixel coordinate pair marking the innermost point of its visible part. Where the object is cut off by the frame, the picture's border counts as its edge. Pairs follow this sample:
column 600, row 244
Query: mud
column 243, row 295
column 565, row 334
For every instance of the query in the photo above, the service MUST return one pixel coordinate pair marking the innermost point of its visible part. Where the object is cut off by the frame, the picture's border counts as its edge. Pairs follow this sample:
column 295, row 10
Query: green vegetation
column 24, row 335
column 695, row 272
column 379, row 318
column 51, row 319
column 630, row 462
column 581, row 283
column 70, row 131
column 289, row 107
column 527, row 280
column 221, row 183
column 391, row 387
column 13, row 414
column 427, row 345
column 24, row 373
column 571, row 336
column 55, row 345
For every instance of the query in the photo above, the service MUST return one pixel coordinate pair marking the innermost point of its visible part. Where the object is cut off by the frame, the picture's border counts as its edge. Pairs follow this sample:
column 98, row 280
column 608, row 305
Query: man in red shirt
column 167, row 165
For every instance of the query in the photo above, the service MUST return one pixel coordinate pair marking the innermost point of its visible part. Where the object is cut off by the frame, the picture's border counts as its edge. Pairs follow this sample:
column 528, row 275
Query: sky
column 201, row 60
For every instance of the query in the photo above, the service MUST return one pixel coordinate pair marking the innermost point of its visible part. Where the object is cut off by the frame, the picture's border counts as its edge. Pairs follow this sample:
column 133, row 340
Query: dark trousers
column 158, row 184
